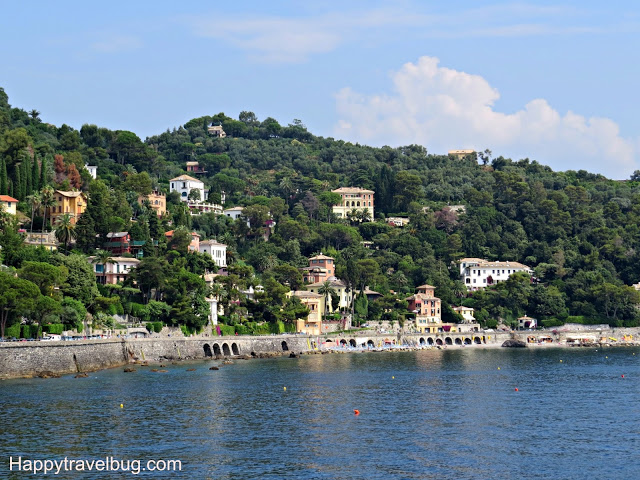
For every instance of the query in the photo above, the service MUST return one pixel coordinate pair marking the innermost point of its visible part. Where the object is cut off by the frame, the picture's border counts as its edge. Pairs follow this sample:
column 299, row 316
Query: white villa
column 217, row 251
column 184, row 184
column 477, row 273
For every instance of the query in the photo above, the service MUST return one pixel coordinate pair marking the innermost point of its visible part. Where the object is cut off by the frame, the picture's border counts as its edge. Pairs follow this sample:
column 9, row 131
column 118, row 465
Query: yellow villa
column 74, row 203
column 312, row 325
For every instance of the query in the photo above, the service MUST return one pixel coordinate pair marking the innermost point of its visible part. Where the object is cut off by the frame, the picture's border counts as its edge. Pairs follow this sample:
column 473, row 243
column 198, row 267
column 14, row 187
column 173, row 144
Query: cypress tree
column 35, row 176
column 17, row 183
column 43, row 173
column 28, row 184
column 4, row 189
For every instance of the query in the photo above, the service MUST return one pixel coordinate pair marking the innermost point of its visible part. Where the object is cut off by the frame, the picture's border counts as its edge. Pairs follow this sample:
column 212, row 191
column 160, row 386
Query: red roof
column 7, row 198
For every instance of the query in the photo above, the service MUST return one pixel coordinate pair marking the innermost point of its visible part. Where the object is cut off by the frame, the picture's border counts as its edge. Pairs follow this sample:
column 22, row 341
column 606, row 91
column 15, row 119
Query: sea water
column 458, row 413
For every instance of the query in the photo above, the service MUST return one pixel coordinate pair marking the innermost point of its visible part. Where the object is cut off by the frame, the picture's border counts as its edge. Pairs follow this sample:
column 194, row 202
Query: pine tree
column 35, row 176
column 4, row 188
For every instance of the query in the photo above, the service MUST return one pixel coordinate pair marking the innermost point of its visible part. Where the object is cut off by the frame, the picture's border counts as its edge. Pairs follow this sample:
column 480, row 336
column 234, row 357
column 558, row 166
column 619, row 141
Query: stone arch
column 458, row 341
column 216, row 349
column 207, row 350
column 477, row 340
column 422, row 341
column 467, row 341
column 285, row 347
column 343, row 343
column 234, row 349
column 225, row 349
column 448, row 341
column 430, row 341
column 370, row 344
column 352, row 343
column 439, row 341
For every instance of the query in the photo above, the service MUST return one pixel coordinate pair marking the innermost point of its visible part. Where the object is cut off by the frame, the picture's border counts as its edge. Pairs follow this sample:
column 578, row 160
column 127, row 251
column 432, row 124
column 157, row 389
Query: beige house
column 312, row 325
column 216, row 131
column 460, row 154
column 8, row 204
column 341, row 290
column 477, row 273
column 354, row 198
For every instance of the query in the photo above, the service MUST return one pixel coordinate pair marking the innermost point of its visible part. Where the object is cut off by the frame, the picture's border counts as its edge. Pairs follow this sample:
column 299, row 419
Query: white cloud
column 444, row 109
column 117, row 44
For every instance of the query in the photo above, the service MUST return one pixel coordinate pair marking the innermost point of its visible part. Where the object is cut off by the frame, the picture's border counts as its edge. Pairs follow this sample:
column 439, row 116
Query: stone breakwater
column 27, row 359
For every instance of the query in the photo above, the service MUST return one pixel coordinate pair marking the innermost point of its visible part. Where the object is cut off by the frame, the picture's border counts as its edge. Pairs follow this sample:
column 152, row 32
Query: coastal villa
column 354, row 198
column 118, row 243
column 427, row 308
column 397, row 221
column 157, row 201
column 234, row 212
column 195, row 168
column 216, row 250
column 460, row 154
column 72, row 202
column 526, row 323
column 116, row 272
column 477, row 273
column 340, row 288
column 312, row 325
column 469, row 323
column 216, row 131
column 319, row 270
column 194, row 246
column 8, row 204
column 466, row 313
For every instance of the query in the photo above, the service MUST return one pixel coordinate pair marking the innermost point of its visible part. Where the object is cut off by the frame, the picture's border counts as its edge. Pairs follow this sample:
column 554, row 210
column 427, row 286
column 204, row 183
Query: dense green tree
column 16, row 296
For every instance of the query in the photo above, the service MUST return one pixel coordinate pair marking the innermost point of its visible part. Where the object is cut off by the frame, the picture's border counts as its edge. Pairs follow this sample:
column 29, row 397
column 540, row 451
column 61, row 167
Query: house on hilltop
column 354, row 198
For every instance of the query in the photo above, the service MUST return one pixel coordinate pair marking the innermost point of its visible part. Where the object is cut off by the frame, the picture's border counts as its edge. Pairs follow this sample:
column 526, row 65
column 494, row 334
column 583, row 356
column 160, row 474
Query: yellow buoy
column 560, row 361
column 393, row 378
column 285, row 389
column 121, row 405
column 498, row 368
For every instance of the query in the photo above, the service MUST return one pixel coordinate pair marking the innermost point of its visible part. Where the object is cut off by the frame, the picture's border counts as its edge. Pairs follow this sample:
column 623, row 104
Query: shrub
column 227, row 330
column 157, row 326
column 551, row 322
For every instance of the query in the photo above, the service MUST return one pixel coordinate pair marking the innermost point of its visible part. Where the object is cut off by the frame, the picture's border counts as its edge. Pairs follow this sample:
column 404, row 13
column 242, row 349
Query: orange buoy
column 516, row 389
column 622, row 376
column 356, row 412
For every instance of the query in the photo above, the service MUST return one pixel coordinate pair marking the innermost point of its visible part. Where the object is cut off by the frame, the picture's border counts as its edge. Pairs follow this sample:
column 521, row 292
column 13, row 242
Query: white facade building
column 233, row 212
column 184, row 184
column 93, row 170
column 477, row 273
column 217, row 251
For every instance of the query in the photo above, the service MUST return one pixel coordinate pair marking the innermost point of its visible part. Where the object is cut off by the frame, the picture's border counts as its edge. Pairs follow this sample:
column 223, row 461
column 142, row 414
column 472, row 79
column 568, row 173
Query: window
column 474, row 280
column 173, row 185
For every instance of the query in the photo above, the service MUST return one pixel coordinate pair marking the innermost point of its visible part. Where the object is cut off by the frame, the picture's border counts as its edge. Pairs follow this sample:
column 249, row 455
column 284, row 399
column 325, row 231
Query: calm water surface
column 446, row 414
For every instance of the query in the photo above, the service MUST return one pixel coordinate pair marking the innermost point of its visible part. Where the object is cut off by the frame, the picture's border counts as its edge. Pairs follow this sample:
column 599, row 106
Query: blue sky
column 551, row 81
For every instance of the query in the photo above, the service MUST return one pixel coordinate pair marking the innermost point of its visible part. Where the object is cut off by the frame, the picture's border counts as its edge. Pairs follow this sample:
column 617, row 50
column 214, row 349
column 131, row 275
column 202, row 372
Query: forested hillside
column 578, row 231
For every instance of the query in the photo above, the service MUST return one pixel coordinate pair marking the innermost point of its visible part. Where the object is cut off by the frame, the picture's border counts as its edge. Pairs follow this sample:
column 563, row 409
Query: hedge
column 12, row 331
column 227, row 330
column 53, row 328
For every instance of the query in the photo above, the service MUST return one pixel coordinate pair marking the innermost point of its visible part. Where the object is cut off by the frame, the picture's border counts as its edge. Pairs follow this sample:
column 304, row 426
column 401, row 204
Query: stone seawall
column 26, row 359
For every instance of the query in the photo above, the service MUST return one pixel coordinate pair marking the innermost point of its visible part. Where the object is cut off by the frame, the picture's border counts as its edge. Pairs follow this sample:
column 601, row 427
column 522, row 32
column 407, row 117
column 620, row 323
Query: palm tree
column 34, row 200
column 47, row 200
column 326, row 290
column 102, row 257
column 65, row 230
column 34, row 114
